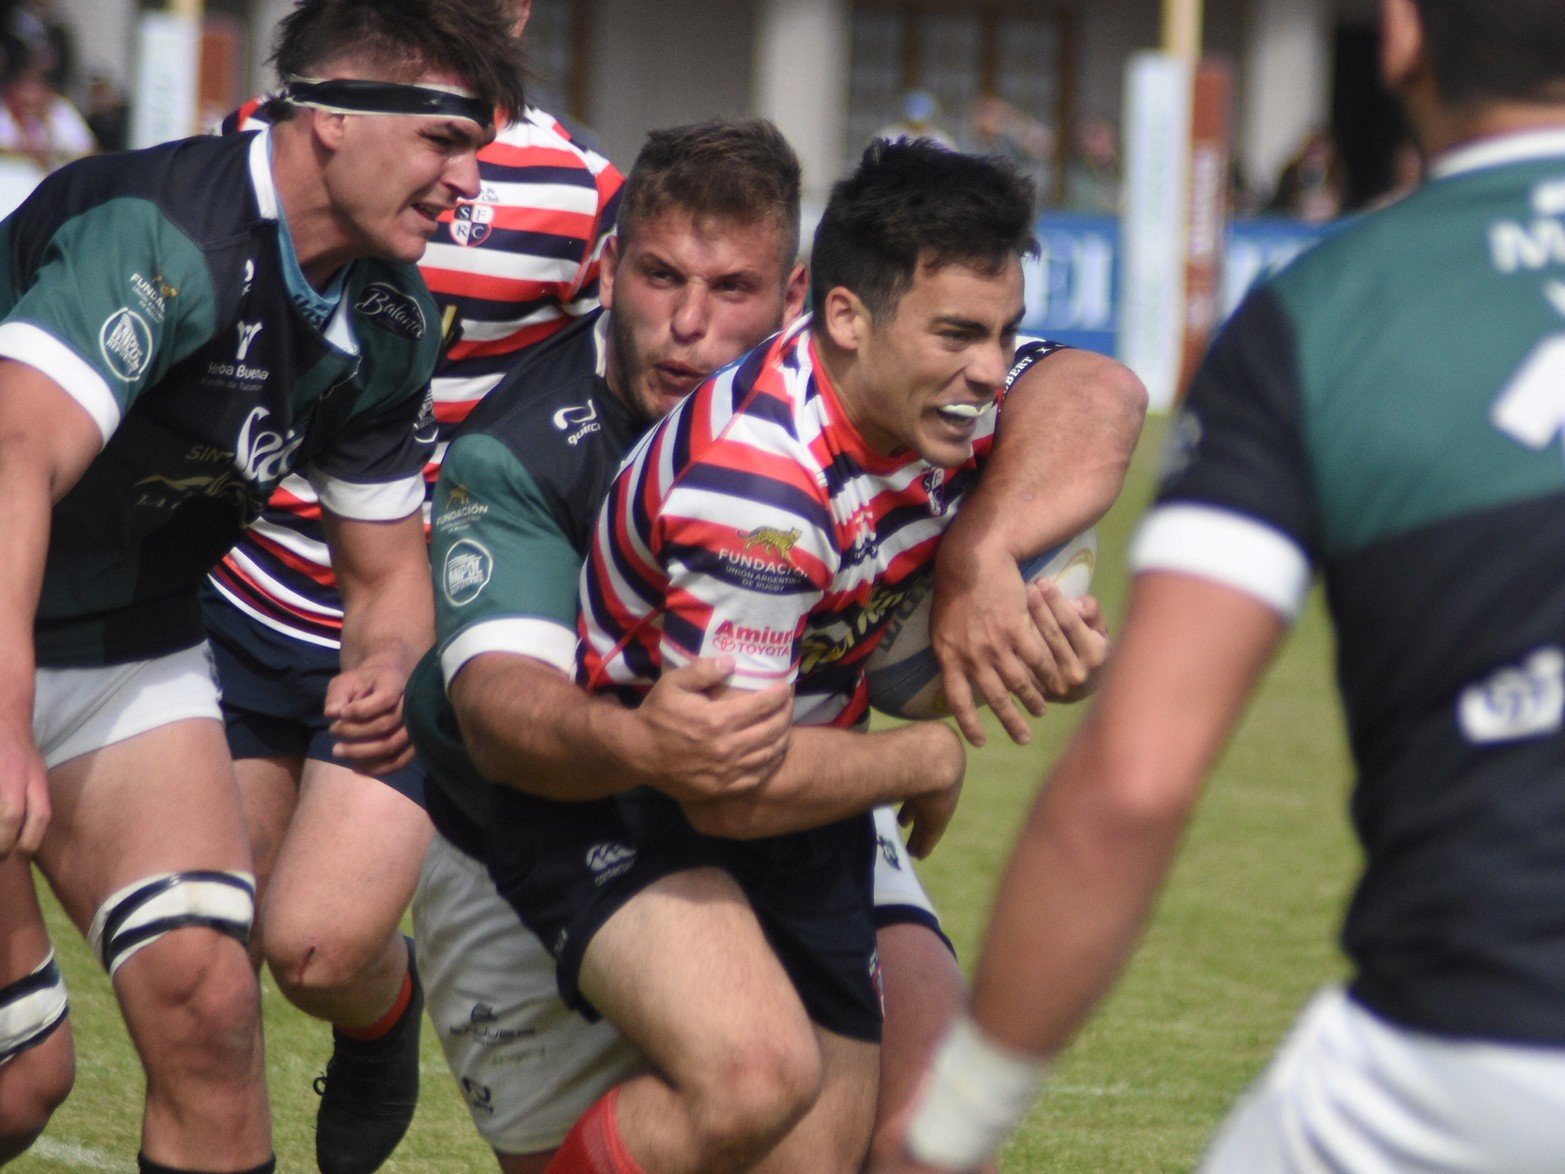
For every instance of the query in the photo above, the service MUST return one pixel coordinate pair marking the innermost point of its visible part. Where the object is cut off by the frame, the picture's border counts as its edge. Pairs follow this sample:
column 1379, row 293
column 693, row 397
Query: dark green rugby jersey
column 149, row 286
column 1390, row 411
column 518, row 495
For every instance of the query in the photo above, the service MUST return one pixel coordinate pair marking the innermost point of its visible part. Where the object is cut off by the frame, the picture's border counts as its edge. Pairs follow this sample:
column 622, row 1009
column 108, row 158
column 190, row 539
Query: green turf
column 1243, row 934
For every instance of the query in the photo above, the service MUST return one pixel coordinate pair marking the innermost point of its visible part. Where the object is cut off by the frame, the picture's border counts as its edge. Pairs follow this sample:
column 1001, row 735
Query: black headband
column 355, row 96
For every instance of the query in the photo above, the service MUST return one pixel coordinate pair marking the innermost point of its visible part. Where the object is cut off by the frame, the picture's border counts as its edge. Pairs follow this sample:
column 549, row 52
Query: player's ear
column 794, row 294
column 1401, row 43
column 608, row 267
column 327, row 126
column 845, row 318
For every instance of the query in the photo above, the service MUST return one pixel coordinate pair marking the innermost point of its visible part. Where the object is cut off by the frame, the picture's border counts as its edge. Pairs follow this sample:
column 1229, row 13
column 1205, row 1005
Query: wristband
column 978, row 1093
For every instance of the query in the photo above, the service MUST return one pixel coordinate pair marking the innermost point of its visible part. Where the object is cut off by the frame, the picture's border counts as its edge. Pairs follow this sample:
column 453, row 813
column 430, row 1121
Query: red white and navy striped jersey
column 755, row 522
column 512, row 267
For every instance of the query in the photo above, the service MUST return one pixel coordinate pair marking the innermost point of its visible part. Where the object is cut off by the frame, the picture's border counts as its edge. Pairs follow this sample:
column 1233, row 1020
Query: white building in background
column 831, row 71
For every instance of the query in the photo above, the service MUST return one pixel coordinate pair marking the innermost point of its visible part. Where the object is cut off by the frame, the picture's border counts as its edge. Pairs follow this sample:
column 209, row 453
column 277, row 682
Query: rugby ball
column 902, row 673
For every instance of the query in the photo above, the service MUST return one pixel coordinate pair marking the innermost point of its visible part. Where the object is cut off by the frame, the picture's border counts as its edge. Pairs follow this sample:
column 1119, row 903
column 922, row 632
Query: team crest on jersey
column 770, row 539
column 125, row 342
column 467, row 570
column 934, row 482
column 471, row 224
column 392, row 310
column 458, row 510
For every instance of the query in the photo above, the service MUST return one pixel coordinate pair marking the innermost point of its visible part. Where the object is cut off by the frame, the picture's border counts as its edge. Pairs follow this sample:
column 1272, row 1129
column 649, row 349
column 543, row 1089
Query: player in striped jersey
column 338, row 852
column 775, row 518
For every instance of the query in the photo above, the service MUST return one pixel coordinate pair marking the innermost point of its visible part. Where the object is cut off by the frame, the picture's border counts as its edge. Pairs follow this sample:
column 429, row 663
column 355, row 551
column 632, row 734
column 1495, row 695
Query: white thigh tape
column 31, row 1008
column 141, row 913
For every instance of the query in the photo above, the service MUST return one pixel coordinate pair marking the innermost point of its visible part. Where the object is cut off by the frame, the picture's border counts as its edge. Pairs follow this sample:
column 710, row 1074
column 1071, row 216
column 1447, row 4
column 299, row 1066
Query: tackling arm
column 527, row 725
column 1067, row 431
column 47, row 440
column 831, row 774
column 387, row 621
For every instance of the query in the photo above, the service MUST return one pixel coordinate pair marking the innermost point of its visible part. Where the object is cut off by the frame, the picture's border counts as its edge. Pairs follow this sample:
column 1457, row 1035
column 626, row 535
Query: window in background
column 985, row 76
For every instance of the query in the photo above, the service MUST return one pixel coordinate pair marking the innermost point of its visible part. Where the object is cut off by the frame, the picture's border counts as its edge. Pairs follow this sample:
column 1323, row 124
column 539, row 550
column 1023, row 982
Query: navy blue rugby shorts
column 274, row 692
column 566, row 868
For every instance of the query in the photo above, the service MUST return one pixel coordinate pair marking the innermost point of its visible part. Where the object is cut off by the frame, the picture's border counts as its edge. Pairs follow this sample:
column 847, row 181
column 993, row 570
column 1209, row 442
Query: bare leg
column 833, row 1138
column 268, row 794
column 34, row 1082
column 166, row 801
column 344, row 875
column 685, row 972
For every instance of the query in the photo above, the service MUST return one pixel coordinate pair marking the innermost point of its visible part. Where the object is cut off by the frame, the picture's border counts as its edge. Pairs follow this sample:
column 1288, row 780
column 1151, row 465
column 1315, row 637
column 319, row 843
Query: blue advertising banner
column 1073, row 285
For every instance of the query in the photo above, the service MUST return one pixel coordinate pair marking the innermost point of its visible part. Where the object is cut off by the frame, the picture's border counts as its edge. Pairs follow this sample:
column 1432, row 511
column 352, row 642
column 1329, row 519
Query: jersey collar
column 261, row 173
column 1522, row 147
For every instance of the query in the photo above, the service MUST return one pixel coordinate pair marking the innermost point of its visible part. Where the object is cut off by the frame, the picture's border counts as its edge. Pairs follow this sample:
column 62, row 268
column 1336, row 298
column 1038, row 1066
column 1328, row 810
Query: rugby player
column 181, row 328
column 338, row 851
column 1386, row 411
column 512, row 520
column 645, row 914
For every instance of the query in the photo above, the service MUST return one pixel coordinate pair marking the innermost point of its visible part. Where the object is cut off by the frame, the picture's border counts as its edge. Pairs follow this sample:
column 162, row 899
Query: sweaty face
column 687, row 297
column 938, row 362
column 392, row 175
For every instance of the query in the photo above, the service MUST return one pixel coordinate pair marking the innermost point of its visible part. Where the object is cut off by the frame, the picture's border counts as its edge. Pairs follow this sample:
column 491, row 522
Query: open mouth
column 430, row 212
column 961, row 415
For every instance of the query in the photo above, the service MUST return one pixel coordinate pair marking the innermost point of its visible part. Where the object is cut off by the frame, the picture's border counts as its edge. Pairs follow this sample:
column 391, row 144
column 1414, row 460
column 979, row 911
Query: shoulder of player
column 537, row 139
column 552, row 409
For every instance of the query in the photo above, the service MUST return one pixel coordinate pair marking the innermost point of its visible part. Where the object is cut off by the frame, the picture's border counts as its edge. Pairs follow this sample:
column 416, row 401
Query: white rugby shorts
column 526, row 1065
column 897, row 886
column 76, row 710
column 1349, row 1090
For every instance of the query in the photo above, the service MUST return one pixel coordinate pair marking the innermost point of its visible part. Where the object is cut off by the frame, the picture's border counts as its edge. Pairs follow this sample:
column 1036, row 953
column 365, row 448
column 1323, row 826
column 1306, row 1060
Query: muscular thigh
column 349, row 859
column 684, row 969
column 162, row 801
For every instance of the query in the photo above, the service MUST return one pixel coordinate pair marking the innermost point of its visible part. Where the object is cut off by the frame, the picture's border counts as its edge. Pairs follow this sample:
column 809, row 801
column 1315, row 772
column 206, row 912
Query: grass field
column 1244, row 932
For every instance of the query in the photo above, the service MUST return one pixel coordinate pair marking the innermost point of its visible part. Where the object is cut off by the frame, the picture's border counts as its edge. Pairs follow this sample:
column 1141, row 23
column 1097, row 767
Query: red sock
column 389, row 1020
column 593, row 1145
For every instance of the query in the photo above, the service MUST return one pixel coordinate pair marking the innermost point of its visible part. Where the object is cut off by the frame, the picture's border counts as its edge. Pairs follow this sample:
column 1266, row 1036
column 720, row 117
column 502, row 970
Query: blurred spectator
column 995, row 127
column 108, row 113
column 48, row 38
column 1311, row 184
column 920, row 120
column 1092, row 175
column 38, row 122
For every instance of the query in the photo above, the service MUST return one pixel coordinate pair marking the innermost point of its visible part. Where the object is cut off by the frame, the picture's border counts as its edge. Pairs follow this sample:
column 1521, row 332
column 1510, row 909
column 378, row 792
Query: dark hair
column 1482, row 50
column 740, row 170
column 913, row 202
column 471, row 39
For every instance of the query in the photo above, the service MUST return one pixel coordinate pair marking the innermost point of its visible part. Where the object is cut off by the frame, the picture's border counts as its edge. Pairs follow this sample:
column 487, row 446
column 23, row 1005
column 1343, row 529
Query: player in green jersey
column 179, row 329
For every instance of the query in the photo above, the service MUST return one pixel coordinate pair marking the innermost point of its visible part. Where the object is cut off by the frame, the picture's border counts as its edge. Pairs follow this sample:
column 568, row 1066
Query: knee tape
column 141, row 913
column 31, row 1008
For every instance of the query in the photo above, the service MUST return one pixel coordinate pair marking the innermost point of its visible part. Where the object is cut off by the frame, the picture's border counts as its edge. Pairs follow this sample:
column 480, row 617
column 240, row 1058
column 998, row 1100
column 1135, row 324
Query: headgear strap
column 356, row 96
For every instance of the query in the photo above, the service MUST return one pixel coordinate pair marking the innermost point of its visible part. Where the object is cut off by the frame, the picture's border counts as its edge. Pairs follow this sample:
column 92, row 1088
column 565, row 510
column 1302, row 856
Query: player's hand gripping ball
column 902, row 673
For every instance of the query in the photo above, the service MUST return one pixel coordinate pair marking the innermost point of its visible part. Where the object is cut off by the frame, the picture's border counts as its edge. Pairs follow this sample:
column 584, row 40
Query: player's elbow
column 1109, row 801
